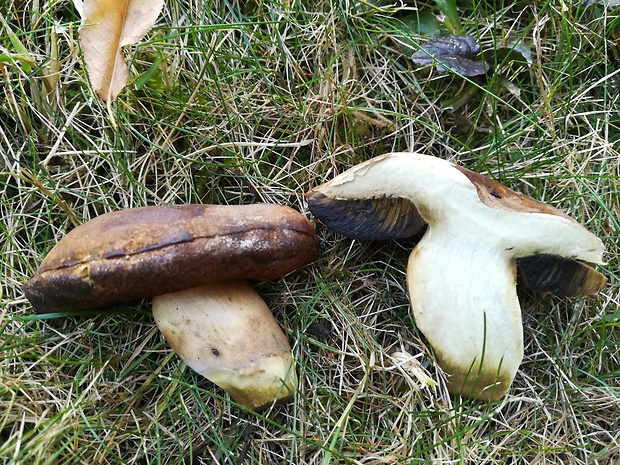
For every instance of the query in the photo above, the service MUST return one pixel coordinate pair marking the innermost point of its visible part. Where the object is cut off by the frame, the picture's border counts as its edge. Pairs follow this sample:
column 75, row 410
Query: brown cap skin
column 149, row 251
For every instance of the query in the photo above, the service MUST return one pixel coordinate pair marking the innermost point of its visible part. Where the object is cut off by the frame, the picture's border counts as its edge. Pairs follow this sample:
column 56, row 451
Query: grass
column 261, row 101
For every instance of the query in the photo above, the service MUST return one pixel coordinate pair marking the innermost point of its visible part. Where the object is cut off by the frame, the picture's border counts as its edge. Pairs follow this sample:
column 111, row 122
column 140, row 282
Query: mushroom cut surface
column 461, row 276
column 149, row 251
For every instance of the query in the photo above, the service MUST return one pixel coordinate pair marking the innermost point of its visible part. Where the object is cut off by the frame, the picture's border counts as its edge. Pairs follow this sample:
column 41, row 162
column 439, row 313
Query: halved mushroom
column 196, row 259
column 461, row 276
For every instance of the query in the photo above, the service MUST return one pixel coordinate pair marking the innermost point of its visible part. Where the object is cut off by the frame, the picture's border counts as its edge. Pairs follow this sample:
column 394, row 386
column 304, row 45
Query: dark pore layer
column 369, row 219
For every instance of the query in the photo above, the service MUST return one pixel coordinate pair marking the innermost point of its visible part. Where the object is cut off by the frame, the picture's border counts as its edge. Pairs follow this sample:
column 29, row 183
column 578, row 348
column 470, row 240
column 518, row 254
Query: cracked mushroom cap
column 148, row 251
column 461, row 276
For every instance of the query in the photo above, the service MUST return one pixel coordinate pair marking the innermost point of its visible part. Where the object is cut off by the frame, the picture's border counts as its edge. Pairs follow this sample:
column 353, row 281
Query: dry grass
column 261, row 102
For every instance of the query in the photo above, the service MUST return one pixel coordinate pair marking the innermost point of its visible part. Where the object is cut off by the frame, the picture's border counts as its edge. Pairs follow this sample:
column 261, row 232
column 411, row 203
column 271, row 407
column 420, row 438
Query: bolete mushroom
column 462, row 274
column 194, row 260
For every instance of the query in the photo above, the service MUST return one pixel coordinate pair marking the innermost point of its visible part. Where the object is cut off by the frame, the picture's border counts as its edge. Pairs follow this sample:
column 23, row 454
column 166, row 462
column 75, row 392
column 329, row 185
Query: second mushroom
column 194, row 260
column 462, row 275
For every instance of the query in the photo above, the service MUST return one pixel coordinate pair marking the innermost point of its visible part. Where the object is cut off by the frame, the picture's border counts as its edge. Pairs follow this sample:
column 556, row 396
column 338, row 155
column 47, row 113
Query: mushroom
column 194, row 260
column 461, row 276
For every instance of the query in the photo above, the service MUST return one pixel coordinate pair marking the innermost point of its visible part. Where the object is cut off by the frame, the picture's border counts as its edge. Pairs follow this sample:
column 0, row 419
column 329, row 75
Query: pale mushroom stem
column 226, row 332
column 476, row 328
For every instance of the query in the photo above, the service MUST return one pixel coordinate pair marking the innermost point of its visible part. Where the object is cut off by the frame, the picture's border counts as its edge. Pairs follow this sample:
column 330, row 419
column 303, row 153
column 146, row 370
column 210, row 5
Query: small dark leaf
column 458, row 53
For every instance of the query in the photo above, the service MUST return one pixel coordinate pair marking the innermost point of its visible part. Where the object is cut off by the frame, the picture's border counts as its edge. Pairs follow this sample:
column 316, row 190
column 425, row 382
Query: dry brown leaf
column 108, row 25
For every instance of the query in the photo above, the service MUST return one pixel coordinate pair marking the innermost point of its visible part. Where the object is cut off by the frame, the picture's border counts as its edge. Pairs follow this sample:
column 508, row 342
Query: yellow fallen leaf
column 108, row 25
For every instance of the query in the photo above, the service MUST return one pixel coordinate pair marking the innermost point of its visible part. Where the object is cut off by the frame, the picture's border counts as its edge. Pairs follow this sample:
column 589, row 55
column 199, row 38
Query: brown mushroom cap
column 142, row 252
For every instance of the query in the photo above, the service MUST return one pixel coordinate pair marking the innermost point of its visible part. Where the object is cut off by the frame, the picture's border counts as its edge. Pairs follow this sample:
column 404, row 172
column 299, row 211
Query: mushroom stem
column 463, row 298
column 226, row 332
